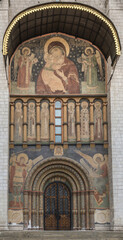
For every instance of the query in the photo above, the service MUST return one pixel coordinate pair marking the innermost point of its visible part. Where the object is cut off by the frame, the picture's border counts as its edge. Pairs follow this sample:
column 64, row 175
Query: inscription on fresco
column 57, row 64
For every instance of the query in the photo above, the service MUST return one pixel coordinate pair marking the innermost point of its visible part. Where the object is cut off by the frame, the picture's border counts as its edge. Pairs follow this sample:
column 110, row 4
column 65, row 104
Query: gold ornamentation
column 60, row 5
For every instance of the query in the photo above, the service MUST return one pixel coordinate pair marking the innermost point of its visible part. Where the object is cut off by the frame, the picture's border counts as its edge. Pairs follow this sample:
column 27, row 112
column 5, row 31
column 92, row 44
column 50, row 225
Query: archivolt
column 64, row 170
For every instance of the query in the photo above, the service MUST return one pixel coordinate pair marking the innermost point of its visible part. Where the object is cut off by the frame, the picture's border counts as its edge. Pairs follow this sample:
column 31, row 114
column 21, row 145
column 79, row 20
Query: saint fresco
column 57, row 64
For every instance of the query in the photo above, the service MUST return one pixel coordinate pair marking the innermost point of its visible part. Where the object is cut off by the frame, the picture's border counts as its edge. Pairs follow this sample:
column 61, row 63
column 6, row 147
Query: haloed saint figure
column 59, row 74
column 23, row 67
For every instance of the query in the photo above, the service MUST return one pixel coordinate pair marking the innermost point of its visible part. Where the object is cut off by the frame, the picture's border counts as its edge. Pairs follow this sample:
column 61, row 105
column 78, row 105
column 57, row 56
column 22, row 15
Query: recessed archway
column 68, row 172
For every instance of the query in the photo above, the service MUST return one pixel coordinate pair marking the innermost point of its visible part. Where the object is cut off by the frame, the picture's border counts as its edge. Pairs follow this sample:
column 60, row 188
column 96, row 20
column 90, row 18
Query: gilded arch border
column 80, row 7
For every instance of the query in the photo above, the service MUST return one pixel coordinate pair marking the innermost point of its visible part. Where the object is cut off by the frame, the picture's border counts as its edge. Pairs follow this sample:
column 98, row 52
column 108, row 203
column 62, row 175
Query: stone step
column 61, row 235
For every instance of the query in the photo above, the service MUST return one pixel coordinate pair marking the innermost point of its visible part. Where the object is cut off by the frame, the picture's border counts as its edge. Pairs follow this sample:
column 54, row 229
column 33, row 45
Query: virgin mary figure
column 59, row 74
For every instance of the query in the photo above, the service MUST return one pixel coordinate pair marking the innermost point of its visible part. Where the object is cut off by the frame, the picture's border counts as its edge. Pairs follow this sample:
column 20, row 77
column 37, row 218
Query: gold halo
column 57, row 39
column 84, row 103
column 97, row 103
column 26, row 48
column 89, row 48
column 98, row 155
column 22, row 155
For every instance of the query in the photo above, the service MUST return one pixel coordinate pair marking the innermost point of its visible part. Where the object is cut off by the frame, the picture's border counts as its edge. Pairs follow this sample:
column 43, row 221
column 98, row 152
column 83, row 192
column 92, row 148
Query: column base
column 15, row 227
column 3, row 228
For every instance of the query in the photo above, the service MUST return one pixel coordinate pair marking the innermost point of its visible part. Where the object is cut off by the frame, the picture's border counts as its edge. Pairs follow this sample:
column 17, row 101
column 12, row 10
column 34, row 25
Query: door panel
column 57, row 214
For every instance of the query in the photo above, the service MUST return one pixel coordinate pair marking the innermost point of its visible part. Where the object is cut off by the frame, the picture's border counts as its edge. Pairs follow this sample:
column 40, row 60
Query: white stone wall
column 116, row 125
column 114, row 9
column 4, row 116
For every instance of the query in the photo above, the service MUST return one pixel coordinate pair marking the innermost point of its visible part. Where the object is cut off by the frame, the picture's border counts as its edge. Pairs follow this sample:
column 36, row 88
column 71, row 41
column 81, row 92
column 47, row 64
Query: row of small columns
column 82, row 213
column 65, row 125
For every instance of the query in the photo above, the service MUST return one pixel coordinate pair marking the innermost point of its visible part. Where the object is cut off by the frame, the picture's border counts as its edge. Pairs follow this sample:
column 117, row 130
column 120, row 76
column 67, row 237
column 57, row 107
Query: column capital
column 25, row 104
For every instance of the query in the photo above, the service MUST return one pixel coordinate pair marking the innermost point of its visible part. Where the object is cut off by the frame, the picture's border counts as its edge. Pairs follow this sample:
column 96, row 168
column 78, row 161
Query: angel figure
column 23, row 67
column 97, row 168
column 90, row 63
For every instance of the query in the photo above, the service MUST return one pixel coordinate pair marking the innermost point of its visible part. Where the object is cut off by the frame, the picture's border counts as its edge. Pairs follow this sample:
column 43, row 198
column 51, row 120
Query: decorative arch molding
column 85, row 22
column 68, row 172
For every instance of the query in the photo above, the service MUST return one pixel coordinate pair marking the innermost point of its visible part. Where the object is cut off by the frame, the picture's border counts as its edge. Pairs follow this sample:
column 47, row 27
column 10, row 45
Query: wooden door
column 57, row 214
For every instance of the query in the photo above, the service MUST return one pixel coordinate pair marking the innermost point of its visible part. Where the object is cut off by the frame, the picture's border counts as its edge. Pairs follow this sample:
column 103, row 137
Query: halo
column 84, row 103
column 89, row 48
column 98, row 155
column 27, row 49
column 22, row 155
column 97, row 103
column 57, row 39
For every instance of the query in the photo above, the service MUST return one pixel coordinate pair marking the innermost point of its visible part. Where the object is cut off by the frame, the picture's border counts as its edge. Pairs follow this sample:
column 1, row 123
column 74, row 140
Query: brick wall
column 3, row 123
column 116, row 125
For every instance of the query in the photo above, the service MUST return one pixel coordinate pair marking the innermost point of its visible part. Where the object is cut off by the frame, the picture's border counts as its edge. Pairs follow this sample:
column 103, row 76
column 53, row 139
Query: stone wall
column 116, row 125
column 114, row 9
column 4, row 116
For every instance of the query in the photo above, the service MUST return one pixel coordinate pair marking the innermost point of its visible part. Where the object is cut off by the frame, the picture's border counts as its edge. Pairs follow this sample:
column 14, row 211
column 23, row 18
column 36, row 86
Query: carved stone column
column 78, row 125
column 87, row 210
column 75, row 211
column 65, row 126
column 79, row 211
column 105, row 125
column 91, row 210
column 41, row 212
column 25, row 124
column 51, row 125
column 92, row 144
column 34, row 225
column 26, row 210
column 82, row 211
column 38, row 123
column 12, row 124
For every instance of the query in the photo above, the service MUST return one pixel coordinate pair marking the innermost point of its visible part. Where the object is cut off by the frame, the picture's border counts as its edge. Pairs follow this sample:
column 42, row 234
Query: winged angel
column 90, row 63
column 96, row 167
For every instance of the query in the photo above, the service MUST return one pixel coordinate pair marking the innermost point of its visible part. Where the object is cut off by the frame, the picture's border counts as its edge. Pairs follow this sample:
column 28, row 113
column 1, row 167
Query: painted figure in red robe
column 59, row 74
column 25, row 63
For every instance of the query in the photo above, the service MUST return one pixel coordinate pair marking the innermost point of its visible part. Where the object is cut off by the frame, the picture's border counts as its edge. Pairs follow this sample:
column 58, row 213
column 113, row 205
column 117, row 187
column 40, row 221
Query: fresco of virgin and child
column 59, row 74
column 57, row 65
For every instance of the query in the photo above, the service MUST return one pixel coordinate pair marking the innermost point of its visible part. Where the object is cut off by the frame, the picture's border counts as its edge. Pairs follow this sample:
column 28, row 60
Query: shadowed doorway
column 57, row 200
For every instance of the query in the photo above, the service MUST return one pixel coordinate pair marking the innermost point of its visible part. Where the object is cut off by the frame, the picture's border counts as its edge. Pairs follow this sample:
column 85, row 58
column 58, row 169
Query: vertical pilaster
column 25, row 124
column 11, row 122
column 78, row 124
column 74, row 211
column 92, row 144
column 51, row 125
column 41, row 213
column 38, row 122
column 26, row 211
column 105, row 125
column 65, row 125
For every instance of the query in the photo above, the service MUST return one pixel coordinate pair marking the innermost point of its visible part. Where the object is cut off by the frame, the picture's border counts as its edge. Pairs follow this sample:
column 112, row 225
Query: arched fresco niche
column 31, row 121
column 45, row 121
column 18, row 133
column 84, row 118
column 57, row 64
column 98, row 121
column 71, row 121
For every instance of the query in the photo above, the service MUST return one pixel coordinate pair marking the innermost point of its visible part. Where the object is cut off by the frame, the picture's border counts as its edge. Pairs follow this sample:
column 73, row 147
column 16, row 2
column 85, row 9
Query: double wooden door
column 57, row 209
